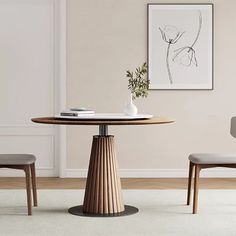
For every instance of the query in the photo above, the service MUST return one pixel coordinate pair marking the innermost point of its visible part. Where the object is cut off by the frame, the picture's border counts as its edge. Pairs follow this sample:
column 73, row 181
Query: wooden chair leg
column 196, row 183
column 34, row 188
column 28, row 189
column 190, row 176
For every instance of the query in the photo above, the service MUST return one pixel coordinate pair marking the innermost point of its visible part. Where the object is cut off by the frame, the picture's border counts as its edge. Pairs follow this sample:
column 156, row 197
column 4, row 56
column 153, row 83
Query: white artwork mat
column 180, row 42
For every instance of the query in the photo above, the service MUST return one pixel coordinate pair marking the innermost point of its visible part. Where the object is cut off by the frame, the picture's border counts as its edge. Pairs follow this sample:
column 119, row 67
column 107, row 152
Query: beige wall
column 107, row 37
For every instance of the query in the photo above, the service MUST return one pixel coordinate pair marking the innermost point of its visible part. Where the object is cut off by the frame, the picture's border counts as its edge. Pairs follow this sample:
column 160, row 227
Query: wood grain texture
column 103, row 189
column 126, row 183
column 56, row 121
column 190, row 176
column 196, row 188
column 28, row 188
column 34, row 187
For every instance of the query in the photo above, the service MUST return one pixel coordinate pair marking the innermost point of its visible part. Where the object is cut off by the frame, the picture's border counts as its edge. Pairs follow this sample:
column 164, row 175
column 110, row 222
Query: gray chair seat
column 211, row 158
column 17, row 159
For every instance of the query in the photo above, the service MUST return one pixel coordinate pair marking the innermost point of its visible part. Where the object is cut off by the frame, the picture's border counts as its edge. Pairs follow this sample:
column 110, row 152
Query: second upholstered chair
column 200, row 161
column 24, row 162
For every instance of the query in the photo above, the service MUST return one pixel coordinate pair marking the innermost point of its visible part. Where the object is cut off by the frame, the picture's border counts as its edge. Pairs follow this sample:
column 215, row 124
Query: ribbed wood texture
column 103, row 188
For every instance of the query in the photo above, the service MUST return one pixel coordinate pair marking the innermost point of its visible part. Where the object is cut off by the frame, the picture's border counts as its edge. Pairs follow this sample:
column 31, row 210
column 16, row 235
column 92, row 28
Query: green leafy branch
column 138, row 81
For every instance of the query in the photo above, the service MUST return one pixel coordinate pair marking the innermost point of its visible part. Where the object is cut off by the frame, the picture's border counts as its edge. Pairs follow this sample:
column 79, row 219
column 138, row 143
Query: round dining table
column 103, row 195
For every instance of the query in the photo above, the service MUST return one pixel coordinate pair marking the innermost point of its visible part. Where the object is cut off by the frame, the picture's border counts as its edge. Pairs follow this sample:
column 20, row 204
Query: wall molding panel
column 36, row 85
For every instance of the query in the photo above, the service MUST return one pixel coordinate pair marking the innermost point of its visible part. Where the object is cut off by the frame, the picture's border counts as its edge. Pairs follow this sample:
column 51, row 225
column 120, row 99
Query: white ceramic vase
column 130, row 108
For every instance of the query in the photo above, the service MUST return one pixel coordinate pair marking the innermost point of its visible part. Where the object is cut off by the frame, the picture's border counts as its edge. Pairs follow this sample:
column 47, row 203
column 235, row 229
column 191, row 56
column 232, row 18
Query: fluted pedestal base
column 103, row 189
column 103, row 195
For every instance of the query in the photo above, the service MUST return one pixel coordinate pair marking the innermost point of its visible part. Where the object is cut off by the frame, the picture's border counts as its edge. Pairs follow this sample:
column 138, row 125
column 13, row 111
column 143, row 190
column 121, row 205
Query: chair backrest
column 233, row 127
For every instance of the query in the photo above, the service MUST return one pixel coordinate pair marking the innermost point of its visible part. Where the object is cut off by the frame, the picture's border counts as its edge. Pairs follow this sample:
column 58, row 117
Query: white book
column 82, row 110
column 76, row 113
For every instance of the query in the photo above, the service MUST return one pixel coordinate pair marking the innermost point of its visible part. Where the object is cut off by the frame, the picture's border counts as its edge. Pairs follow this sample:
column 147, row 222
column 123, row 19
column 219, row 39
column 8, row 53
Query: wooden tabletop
column 56, row 121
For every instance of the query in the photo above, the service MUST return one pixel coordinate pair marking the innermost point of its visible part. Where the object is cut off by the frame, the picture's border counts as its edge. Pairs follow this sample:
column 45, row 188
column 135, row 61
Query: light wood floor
column 136, row 183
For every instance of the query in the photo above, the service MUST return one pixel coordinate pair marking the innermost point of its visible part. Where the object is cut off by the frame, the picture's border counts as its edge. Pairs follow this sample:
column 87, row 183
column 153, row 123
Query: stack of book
column 77, row 112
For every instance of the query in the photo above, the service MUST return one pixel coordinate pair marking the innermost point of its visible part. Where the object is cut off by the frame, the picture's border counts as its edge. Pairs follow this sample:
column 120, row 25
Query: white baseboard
column 159, row 173
column 20, row 173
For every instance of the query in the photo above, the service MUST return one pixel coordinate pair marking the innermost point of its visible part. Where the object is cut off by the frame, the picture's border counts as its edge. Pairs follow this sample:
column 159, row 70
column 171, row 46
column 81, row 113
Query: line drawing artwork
column 186, row 55
column 170, row 34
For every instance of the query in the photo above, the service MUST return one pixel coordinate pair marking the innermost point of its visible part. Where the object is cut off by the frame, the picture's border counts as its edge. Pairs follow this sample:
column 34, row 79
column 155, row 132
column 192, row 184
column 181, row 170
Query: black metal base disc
column 78, row 210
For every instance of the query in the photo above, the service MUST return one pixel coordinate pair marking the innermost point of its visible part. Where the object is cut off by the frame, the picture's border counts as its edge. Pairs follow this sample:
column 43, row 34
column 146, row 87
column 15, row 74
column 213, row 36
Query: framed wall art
column 180, row 46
